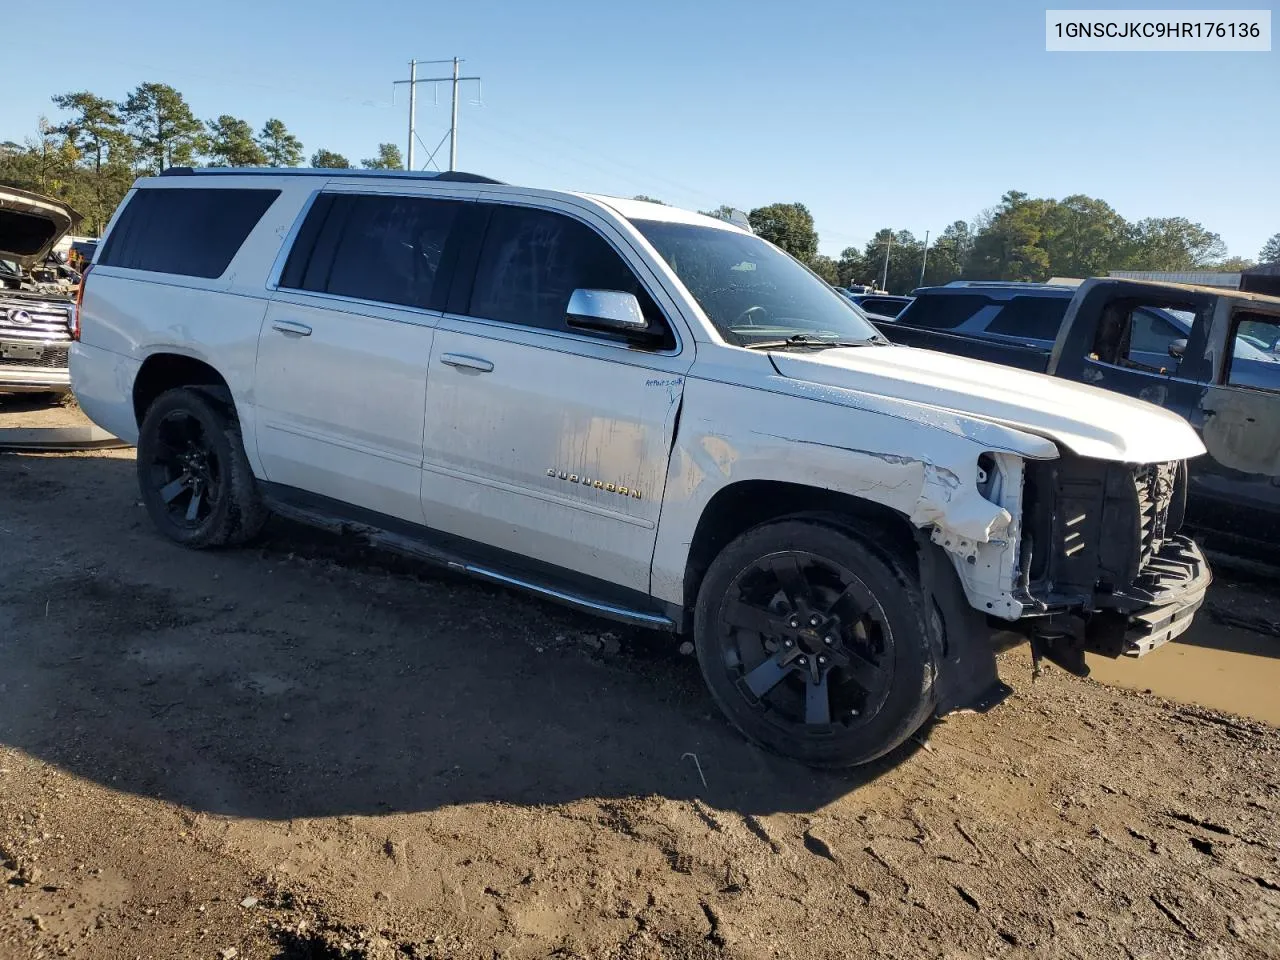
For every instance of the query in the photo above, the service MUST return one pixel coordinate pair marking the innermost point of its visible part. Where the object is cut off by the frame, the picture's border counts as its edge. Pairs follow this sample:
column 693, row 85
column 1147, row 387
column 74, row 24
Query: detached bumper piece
column 1155, row 609
column 1171, row 589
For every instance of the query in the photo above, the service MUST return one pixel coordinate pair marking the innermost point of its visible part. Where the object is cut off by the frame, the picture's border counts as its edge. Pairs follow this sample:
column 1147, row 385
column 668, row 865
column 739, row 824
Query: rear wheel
column 814, row 645
column 193, row 474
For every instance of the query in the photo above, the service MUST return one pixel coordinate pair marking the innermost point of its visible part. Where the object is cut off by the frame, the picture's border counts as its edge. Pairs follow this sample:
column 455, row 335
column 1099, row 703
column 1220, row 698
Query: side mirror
column 1177, row 348
column 608, row 311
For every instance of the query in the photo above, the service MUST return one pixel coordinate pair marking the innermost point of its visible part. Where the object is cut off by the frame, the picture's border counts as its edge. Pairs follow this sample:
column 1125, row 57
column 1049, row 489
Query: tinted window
column 943, row 311
column 531, row 261
column 1035, row 318
column 194, row 232
column 382, row 248
column 881, row 306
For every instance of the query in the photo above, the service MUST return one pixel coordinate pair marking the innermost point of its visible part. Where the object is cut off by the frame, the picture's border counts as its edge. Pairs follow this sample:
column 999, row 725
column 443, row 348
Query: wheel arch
column 169, row 369
column 741, row 506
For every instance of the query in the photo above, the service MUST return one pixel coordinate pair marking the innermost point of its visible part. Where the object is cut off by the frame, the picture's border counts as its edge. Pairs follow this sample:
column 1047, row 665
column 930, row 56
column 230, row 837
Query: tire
column 193, row 474
column 862, row 645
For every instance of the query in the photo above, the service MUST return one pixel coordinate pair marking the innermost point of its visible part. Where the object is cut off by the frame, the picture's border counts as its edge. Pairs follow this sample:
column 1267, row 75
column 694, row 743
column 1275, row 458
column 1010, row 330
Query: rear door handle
column 463, row 362
column 291, row 326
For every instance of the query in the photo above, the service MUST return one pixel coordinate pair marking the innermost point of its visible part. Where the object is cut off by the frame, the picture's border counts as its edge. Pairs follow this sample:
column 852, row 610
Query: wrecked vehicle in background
column 1206, row 353
column 639, row 411
column 37, row 293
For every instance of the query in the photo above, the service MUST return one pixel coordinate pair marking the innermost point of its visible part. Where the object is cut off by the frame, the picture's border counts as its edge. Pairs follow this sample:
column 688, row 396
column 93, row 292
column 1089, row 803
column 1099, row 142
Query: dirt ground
column 305, row 751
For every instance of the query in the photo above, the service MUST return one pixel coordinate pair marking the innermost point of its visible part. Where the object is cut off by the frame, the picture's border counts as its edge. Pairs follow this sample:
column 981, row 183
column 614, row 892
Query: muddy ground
column 305, row 751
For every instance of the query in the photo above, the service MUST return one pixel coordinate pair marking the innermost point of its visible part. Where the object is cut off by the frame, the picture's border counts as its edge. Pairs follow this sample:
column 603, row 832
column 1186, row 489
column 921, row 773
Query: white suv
column 639, row 411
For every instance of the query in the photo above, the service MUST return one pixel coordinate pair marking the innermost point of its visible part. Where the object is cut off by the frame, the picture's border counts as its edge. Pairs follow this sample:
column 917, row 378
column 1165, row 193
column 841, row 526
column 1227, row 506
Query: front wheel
column 813, row 645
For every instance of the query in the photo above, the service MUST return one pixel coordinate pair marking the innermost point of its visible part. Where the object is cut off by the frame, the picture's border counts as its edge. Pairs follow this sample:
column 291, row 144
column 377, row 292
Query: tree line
column 1021, row 238
column 99, row 146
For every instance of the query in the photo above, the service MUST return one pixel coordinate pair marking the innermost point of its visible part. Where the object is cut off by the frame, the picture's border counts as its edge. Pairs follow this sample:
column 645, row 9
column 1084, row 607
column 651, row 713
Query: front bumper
column 1157, row 608
column 20, row 372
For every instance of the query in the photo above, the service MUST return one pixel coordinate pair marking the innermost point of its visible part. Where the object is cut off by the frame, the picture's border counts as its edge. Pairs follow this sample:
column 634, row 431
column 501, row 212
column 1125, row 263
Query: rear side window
column 1035, row 318
column 384, row 248
column 191, row 232
column 532, row 261
column 942, row 311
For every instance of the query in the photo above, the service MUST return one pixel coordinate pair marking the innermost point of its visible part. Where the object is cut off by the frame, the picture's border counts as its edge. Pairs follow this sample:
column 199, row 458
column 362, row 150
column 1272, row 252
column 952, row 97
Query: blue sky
column 909, row 115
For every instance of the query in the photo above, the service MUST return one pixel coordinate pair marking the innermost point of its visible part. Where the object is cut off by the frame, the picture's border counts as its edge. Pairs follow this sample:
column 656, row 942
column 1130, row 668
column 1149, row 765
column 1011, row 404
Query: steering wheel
column 745, row 318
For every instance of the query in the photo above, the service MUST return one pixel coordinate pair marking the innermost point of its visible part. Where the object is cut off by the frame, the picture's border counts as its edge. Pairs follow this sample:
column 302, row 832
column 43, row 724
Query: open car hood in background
column 30, row 225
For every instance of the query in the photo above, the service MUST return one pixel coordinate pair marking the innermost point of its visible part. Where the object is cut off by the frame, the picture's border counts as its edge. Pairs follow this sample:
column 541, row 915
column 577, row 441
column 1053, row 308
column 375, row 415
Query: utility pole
column 924, row 260
column 884, row 281
column 413, row 107
column 413, row 82
column 453, row 123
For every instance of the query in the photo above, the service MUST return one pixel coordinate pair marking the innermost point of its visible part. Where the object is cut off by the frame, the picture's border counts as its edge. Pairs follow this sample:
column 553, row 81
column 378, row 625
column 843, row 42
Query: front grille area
column 1092, row 527
column 1154, row 486
column 34, row 319
column 54, row 358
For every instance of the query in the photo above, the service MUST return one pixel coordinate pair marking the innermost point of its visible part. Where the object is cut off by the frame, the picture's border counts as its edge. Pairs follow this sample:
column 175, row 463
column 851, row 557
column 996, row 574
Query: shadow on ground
column 307, row 676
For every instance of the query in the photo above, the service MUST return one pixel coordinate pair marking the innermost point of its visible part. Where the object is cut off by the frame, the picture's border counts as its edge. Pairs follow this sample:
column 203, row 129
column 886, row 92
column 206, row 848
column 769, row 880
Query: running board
column 421, row 550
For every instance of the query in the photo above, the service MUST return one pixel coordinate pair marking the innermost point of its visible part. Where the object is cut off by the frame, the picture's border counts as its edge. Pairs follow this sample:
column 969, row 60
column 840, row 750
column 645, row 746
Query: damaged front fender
column 926, row 470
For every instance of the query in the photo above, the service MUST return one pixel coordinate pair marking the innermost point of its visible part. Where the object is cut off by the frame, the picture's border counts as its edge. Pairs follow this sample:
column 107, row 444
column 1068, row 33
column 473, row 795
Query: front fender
column 927, row 474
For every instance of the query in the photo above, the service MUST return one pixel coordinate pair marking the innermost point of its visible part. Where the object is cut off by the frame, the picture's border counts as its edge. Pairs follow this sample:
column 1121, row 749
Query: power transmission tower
column 413, row 82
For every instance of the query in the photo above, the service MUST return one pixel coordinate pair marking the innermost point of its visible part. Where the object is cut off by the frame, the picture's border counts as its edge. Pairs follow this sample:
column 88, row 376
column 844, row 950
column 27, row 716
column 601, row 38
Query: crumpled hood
column 30, row 225
column 1087, row 420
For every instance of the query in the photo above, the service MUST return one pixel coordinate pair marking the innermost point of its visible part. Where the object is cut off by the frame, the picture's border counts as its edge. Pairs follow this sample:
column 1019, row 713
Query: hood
column 30, row 225
column 1086, row 420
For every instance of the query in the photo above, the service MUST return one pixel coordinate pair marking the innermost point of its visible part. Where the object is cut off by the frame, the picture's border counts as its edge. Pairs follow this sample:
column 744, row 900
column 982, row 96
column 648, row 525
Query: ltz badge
column 592, row 482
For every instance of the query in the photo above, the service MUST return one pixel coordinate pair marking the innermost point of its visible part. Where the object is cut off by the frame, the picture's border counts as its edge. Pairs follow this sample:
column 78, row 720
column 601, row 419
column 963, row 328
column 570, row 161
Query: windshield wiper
column 805, row 341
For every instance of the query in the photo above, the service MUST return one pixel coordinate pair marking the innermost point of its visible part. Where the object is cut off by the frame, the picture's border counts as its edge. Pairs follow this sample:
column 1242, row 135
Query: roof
column 447, row 176
column 1199, row 278
column 1011, row 287
column 648, row 210
column 1196, row 288
column 630, row 209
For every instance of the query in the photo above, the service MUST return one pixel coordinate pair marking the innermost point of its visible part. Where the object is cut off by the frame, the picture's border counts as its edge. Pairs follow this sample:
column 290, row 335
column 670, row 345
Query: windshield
column 752, row 291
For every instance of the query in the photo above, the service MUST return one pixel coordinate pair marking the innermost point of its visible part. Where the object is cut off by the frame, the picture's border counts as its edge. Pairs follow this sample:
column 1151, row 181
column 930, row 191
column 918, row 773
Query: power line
column 413, row 82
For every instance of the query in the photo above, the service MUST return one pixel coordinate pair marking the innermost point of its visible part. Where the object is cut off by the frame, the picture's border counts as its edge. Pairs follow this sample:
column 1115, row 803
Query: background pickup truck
column 1207, row 354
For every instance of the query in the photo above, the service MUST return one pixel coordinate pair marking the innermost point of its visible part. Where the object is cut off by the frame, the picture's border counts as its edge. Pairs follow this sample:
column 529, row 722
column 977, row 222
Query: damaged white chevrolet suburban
column 645, row 413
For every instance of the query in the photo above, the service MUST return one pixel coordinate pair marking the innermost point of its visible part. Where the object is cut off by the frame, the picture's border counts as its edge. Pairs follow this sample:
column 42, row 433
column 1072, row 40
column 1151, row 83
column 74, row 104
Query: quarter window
column 189, row 231
column 1032, row 318
column 942, row 311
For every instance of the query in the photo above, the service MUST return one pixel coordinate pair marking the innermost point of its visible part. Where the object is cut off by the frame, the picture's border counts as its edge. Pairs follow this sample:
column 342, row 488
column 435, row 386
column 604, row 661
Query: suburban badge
column 592, row 482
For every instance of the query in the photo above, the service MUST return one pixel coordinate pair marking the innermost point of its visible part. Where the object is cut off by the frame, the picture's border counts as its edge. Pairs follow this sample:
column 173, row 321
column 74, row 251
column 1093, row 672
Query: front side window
column 750, row 290
column 531, row 261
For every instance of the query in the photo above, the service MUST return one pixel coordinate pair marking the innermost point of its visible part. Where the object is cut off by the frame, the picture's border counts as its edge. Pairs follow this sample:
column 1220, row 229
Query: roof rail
column 1025, row 284
column 448, row 176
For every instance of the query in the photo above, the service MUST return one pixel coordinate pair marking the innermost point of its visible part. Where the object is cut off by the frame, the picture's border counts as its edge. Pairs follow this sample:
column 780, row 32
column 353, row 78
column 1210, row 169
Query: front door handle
column 291, row 326
column 463, row 362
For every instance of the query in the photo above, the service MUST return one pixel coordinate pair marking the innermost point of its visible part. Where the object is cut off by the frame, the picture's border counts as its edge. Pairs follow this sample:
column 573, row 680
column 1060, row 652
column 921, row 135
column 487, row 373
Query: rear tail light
column 79, row 304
